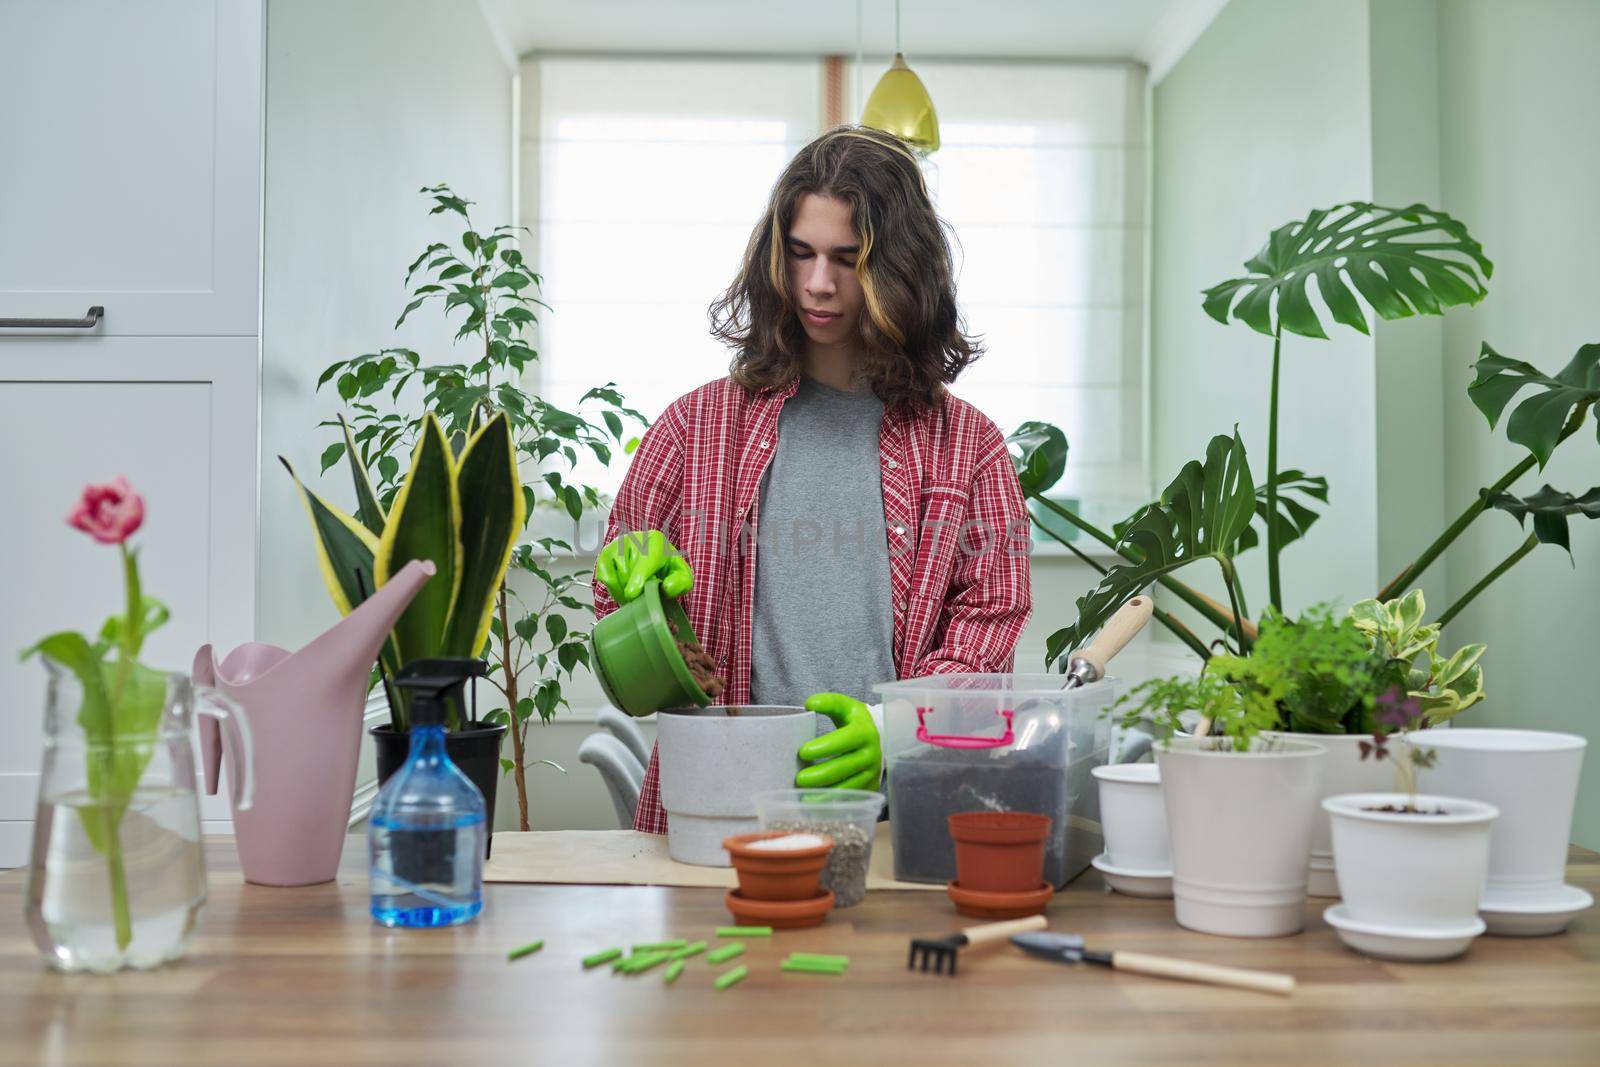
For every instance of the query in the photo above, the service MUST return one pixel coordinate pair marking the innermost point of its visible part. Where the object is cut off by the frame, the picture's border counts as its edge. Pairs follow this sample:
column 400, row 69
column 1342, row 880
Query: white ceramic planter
column 1414, row 871
column 1134, row 817
column 1344, row 771
column 1532, row 777
column 1240, row 826
column 713, row 761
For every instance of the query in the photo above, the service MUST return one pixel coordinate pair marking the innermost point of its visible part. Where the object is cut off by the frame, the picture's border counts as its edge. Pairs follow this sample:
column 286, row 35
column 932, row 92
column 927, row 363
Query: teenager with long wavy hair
column 889, row 526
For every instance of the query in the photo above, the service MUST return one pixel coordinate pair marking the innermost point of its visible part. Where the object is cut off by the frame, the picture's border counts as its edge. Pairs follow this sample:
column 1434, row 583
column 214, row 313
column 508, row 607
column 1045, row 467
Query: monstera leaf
column 1538, row 422
column 1402, row 261
column 1039, row 453
column 1201, row 515
column 1294, row 517
column 1550, row 508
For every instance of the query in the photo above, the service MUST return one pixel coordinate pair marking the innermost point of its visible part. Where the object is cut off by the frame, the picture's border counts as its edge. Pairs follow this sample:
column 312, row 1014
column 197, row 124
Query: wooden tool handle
column 1121, row 628
column 977, row 935
column 1209, row 973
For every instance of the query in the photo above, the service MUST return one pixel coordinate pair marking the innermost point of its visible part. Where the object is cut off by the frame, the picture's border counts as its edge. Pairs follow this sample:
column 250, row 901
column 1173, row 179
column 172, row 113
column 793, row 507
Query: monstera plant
column 1403, row 261
column 1556, row 409
column 1397, row 262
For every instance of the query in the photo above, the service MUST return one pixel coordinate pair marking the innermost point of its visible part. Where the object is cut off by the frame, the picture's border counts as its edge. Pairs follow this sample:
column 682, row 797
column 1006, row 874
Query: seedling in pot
column 1400, row 714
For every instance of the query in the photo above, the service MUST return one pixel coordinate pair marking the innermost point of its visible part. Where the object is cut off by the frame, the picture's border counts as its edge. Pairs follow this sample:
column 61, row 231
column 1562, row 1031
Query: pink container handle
column 961, row 741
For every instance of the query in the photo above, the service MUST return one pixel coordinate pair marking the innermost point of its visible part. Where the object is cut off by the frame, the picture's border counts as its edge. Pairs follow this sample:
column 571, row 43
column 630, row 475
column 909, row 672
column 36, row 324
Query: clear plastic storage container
column 993, row 742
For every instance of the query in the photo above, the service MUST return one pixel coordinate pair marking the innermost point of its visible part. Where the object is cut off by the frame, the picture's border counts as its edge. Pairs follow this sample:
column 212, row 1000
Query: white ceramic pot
column 1413, row 871
column 1532, row 777
column 713, row 761
column 1240, row 826
column 1344, row 771
column 1134, row 817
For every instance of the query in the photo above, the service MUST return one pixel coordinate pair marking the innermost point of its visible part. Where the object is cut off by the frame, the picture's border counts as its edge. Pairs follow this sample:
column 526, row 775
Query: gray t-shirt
column 823, row 614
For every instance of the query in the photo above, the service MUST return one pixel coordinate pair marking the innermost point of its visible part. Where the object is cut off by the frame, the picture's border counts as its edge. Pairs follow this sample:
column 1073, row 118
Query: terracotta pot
column 999, row 851
column 778, row 874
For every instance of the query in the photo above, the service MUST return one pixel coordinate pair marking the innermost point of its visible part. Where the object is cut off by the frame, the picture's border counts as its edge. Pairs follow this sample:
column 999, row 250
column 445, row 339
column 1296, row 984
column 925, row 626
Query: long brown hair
column 911, row 333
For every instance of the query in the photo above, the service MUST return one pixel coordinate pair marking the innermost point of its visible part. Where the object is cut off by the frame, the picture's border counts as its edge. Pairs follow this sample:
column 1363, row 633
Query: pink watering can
column 305, row 711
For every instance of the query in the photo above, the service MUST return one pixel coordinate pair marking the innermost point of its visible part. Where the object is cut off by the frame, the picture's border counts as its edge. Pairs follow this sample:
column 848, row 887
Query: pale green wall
column 1521, row 165
column 1410, row 399
column 367, row 101
column 1251, row 129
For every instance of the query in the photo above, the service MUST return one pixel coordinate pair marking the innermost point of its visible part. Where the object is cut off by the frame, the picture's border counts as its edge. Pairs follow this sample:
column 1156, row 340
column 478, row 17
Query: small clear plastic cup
column 849, row 816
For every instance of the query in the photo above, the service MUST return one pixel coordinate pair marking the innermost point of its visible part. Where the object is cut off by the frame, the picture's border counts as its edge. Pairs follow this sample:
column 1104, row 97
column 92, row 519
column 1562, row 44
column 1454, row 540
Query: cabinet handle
column 88, row 322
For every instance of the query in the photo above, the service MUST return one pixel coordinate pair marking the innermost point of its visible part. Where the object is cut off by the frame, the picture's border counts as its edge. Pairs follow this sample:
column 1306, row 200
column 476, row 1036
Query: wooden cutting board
column 628, row 857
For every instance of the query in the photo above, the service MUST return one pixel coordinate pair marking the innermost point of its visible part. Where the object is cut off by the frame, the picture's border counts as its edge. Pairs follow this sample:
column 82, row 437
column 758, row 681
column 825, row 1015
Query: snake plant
column 461, row 511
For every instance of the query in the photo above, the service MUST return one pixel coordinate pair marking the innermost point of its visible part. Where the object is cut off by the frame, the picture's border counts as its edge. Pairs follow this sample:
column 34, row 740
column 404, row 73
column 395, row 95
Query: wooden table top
column 303, row 977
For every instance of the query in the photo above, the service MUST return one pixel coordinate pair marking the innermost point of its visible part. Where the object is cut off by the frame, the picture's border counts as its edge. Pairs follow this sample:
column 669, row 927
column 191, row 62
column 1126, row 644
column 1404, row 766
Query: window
column 642, row 179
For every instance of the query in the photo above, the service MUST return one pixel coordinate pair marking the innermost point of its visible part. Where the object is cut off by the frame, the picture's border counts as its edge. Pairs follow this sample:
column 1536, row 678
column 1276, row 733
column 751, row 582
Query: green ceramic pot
column 636, row 657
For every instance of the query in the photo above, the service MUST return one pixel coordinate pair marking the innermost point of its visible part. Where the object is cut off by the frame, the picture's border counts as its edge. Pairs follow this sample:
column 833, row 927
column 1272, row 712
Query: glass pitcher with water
column 117, row 876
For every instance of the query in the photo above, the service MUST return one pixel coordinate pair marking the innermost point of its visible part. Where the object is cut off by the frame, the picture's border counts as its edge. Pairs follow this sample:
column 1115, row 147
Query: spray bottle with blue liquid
column 427, row 828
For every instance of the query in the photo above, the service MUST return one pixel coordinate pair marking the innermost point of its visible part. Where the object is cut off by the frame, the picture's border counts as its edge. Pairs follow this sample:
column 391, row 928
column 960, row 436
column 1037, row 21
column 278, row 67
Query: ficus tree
column 483, row 279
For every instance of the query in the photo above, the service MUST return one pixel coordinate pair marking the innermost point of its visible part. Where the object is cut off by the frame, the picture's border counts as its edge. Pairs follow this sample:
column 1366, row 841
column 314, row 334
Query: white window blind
column 642, row 179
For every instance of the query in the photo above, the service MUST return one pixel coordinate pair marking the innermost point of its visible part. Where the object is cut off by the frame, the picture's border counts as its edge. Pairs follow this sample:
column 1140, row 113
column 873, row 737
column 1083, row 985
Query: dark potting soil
column 1396, row 809
column 927, row 788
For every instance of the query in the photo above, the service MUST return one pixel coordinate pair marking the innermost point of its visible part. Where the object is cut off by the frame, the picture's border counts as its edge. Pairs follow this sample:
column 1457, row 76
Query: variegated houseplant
column 463, row 513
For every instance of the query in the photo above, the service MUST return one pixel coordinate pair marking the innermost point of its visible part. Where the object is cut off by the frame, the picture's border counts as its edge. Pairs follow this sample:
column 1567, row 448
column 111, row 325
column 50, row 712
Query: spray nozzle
column 437, row 685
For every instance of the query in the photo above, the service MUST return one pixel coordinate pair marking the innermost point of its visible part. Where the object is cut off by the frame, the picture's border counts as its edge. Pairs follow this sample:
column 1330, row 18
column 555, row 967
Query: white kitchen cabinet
column 176, row 416
column 130, row 162
column 130, row 179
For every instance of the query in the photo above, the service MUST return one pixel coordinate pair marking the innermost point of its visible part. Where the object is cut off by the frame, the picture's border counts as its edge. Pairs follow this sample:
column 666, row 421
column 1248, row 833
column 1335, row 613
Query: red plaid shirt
column 957, row 528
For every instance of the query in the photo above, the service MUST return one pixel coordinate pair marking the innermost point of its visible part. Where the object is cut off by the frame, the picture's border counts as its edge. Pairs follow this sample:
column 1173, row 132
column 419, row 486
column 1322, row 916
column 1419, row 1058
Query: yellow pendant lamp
column 900, row 103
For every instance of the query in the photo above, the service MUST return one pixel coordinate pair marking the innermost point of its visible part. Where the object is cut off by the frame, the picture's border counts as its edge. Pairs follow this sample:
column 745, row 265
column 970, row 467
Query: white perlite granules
column 787, row 843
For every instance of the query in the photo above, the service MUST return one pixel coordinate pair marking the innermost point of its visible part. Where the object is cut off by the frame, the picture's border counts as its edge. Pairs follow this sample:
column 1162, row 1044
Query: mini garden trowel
column 1069, row 948
column 1088, row 664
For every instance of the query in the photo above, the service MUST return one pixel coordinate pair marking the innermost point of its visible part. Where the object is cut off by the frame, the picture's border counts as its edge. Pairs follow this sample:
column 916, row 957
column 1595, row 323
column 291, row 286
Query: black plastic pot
column 476, row 751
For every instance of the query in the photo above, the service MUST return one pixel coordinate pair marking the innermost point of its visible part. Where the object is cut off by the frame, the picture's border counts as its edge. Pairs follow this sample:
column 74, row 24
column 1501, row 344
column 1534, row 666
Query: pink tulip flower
column 109, row 512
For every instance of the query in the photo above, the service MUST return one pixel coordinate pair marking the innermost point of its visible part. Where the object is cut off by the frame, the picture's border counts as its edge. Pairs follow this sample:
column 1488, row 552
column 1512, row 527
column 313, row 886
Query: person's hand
column 634, row 558
column 852, row 756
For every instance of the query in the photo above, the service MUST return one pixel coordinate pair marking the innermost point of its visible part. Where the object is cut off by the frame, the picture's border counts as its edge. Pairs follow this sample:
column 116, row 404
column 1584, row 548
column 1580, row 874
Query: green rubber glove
column 634, row 558
column 852, row 755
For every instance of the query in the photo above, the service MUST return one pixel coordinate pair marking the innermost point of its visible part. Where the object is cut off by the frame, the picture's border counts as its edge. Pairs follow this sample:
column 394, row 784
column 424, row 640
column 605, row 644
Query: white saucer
column 1134, row 883
column 1401, row 942
column 1537, row 919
